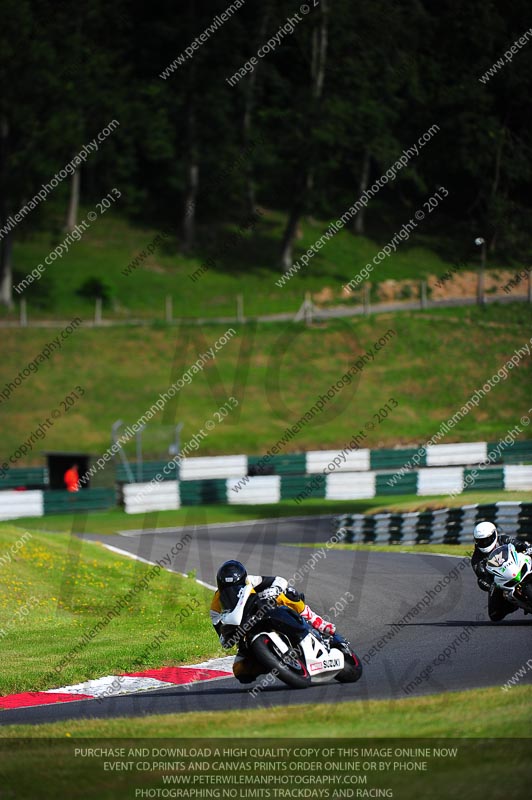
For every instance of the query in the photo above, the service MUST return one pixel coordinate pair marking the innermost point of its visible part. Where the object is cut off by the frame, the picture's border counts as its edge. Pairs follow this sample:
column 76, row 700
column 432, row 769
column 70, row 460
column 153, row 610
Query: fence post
column 367, row 290
column 480, row 287
column 308, row 308
column 98, row 311
column 168, row 308
column 139, row 453
column 423, row 294
column 23, row 313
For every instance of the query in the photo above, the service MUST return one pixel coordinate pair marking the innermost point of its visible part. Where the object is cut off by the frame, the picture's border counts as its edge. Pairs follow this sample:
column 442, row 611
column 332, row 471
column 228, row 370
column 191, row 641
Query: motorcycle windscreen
column 229, row 596
column 499, row 556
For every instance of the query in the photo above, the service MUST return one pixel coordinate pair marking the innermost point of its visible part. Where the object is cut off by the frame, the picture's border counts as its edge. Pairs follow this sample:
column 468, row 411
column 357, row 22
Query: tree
column 25, row 123
column 306, row 166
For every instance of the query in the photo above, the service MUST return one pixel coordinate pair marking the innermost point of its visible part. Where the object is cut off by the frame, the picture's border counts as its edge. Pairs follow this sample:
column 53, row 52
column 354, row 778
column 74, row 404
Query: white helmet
column 485, row 535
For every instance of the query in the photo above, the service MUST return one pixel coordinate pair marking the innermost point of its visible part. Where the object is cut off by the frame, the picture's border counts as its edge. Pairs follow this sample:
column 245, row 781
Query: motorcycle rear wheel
column 268, row 654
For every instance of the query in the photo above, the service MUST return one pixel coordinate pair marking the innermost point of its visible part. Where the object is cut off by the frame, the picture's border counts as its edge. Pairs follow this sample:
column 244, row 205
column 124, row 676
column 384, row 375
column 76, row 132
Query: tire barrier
column 139, row 498
column 384, row 464
column 440, row 526
column 28, row 477
column 21, row 504
column 292, row 476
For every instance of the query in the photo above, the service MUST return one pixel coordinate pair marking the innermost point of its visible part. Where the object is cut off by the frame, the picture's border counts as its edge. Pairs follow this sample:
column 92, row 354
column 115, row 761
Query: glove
column 294, row 595
column 273, row 591
column 226, row 641
column 484, row 585
column 528, row 551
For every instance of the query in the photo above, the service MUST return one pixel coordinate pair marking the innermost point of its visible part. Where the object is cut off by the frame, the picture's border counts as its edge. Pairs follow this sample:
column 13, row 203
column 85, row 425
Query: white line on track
column 438, row 555
column 145, row 561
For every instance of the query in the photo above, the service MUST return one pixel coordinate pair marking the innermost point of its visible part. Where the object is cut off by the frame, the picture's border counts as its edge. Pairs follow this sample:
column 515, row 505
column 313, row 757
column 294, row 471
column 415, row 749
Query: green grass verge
column 276, row 373
column 56, row 589
column 109, row 522
column 436, row 549
column 471, row 767
column 490, row 713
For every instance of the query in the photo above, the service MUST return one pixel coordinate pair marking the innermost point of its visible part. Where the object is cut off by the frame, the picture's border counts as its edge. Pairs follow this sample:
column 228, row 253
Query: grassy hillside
column 249, row 266
column 431, row 364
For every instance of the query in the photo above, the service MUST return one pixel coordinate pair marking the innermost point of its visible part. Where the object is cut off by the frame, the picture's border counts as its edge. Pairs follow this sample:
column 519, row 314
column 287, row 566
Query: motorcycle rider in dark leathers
column 272, row 588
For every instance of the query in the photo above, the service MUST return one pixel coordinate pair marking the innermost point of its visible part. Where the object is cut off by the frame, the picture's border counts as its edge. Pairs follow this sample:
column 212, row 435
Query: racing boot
column 317, row 622
column 247, row 669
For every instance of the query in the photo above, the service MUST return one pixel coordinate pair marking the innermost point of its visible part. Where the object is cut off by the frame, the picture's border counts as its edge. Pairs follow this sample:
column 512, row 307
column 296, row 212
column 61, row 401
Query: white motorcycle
column 284, row 643
column 512, row 574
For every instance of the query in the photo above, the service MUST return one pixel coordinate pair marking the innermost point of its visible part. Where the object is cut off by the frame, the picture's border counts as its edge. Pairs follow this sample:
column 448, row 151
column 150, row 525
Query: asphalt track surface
column 385, row 587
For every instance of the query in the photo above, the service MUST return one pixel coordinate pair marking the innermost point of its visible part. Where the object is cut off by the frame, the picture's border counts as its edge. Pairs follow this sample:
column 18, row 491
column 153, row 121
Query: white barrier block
column 21, row 504
column 408, row 528
column 142, row 497
column 382, row 528
column 258, row 489
column 318, row 460
column 192, row 469
column 469, row 521
column 350, row 487
column 518, row 477
column 445, row 455
column 440, row 481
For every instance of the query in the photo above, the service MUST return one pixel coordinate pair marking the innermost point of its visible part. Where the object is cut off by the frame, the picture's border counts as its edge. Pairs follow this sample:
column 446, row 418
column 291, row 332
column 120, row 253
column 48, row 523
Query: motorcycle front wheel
column 352, row 670
column 526, row 591
column 290, row 669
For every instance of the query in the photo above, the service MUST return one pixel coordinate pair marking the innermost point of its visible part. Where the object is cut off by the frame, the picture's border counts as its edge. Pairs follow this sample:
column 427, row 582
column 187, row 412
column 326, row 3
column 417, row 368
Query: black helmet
column 231, row 573
column 231, row 579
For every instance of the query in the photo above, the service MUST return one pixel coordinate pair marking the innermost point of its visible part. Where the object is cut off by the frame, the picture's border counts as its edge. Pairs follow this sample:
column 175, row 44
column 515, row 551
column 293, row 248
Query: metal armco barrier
column 441, row 526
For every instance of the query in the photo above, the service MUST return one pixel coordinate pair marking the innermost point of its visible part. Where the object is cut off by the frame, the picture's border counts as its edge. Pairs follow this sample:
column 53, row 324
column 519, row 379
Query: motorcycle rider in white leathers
column 487, row 539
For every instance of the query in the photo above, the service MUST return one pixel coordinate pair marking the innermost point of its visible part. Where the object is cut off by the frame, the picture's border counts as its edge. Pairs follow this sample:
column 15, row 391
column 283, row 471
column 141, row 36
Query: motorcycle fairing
column 323, row 661
column 233, row 600
column 320, row 661
column 508, row 567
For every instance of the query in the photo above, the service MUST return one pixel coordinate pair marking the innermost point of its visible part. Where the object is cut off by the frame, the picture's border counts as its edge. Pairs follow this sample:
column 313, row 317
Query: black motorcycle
column 284, row 643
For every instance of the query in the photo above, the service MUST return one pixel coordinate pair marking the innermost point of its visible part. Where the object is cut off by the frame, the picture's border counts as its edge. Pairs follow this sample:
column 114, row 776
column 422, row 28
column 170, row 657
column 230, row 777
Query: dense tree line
column 311, row 123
